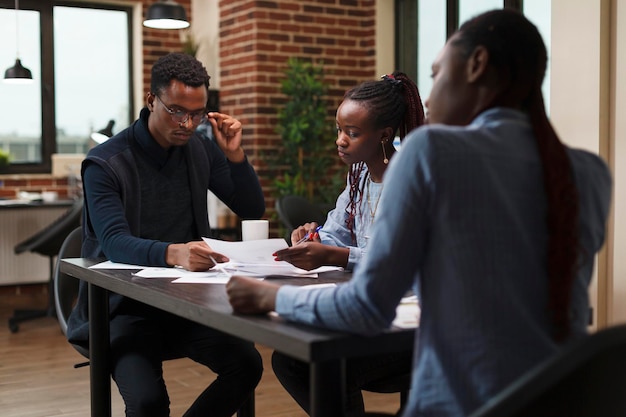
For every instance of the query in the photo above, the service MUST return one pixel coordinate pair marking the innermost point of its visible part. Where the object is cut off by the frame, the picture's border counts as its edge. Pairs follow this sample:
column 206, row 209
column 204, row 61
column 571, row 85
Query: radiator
column 16, row 225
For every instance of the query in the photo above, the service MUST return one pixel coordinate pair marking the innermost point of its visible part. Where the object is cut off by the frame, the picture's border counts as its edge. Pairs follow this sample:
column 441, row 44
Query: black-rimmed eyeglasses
column 181, row 116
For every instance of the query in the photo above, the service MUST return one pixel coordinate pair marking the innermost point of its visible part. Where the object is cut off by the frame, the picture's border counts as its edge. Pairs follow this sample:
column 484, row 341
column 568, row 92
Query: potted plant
column 5, row 159
column 303, row 164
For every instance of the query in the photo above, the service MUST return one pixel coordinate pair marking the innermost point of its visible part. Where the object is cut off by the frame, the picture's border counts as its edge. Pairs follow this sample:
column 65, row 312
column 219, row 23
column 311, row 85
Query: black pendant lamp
column 166, row 14
column 17, row 74
column 103, row 135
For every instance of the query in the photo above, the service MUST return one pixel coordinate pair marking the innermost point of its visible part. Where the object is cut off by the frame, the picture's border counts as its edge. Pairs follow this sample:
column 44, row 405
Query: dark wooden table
column 207, row 304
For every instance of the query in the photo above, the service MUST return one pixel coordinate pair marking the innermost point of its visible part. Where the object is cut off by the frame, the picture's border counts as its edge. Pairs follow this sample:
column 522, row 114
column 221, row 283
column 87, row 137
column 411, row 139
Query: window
column 422, row 28
column 81, row 64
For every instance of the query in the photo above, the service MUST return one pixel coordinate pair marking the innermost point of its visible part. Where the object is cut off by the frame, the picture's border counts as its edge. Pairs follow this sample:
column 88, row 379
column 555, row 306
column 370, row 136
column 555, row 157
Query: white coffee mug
column 255, row 229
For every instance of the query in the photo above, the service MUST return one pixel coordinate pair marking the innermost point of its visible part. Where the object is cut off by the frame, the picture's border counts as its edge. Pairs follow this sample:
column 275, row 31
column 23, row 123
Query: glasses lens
column 198, row 117
column 180, row 116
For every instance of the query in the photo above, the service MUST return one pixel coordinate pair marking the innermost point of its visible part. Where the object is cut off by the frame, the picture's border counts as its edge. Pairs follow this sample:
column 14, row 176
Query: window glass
column 540, row 13
column 91, row 74
column 20, row 104
column 431, row 35
column 471, row 8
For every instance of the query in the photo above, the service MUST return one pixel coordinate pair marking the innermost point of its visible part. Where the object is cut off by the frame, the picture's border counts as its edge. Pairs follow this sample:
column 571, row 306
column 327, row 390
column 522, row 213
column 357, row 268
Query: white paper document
column 251, row 258
column 115, row 265
column 255, row 258
column 249, row 252
column 407, row 313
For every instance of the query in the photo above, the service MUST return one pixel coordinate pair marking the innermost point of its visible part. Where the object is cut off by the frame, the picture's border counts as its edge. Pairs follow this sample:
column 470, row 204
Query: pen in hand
column 218, row 267
column 309, row 236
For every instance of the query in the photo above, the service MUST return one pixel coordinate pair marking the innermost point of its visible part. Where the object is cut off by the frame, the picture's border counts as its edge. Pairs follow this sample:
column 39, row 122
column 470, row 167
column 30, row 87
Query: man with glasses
column 146, row 204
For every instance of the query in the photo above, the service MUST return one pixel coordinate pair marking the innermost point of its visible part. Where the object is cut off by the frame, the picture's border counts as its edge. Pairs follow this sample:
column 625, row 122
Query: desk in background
column 207, row 304
column 20, row 219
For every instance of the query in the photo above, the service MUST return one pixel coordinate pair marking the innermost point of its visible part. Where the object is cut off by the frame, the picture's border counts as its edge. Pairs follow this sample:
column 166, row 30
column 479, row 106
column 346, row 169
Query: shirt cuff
column 285, row 300
column 354, row 257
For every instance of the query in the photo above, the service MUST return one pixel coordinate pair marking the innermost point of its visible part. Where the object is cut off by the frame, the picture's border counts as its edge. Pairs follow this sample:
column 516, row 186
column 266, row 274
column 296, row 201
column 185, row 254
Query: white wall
column 385, row 40
column 589, row 100
column 618, row 148
column 205, row 30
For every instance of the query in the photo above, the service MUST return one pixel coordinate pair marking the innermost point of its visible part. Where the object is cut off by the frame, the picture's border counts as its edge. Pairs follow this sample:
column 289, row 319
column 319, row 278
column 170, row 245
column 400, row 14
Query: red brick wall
column 256, row 39
column 159, row 42
column 10, row 185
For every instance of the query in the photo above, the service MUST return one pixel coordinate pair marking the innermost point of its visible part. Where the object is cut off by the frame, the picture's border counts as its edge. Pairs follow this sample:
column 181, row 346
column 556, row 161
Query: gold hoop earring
column 385, row 159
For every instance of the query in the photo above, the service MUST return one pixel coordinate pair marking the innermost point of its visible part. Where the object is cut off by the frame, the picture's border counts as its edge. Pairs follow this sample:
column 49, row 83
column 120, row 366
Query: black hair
column 178, row 66
column 518, row 54
column 393, row 101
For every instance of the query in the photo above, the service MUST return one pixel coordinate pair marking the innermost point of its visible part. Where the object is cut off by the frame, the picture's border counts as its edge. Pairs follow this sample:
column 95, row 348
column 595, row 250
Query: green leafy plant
column 5, row 158
column 188, row 44
column 303, row 163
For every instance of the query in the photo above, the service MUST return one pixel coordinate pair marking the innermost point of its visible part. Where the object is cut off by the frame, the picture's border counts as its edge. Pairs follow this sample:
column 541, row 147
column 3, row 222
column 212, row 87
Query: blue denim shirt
column 336, row 233
column 465, row 219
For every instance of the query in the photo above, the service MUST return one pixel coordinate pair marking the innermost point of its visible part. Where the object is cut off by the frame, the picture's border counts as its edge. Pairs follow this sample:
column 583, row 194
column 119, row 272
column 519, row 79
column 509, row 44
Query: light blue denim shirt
column 335, row 232
column 465, row 219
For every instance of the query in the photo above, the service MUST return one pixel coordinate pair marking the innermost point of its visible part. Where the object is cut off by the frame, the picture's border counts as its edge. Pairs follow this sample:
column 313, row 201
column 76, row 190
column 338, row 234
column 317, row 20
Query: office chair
column 66, row 286
column 586, row 379
column 47, row 242
column 294, row 211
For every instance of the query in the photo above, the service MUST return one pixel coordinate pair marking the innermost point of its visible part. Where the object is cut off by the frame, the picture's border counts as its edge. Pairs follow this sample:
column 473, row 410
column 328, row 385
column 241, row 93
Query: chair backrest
column 48, row 240
column 587, row 379
column 65, row 286
column 294, row 211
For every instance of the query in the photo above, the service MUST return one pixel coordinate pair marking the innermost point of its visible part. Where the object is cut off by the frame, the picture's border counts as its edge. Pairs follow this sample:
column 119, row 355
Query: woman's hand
column 311, row 255
column 251, row 296
column 301, row 231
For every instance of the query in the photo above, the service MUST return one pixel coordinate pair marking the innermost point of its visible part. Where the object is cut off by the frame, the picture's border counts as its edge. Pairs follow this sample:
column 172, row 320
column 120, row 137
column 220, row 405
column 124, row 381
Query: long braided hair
column 393, row 101
column 518, row 54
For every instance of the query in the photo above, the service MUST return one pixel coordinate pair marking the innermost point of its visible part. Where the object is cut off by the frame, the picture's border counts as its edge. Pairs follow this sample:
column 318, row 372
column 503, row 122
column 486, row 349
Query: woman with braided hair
column 368, row 119
column 489, row 213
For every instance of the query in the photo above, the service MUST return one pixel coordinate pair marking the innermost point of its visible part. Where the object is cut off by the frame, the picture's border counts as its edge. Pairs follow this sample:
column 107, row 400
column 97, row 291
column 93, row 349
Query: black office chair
column 66, row 286
column 587, row 379
column 294, row 211
column 47, row 242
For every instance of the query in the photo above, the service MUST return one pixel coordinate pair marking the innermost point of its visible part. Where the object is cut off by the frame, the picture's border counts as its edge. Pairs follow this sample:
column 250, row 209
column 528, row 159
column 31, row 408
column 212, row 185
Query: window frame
column 47, row 87
column 406, row 30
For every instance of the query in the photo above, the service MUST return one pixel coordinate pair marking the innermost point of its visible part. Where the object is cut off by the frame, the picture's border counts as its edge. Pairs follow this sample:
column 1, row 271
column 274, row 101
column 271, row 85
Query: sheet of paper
column 407, row 313
column 155, row 272
column 263, row 269
column 115, row 265
column 251, row 251
column 218, row 279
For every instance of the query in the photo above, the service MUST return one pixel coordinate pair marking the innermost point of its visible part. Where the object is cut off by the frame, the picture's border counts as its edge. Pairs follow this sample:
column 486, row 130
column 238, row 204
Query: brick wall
column 256, row 39
column 11, row 185
column 159, row 42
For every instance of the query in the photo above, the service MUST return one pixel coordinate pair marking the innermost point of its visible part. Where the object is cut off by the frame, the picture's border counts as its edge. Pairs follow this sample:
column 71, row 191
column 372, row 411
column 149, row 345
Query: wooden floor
column 37, row 377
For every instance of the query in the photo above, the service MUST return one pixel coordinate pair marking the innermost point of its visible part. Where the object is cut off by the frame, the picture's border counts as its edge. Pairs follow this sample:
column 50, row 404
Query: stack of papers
column 252, row 258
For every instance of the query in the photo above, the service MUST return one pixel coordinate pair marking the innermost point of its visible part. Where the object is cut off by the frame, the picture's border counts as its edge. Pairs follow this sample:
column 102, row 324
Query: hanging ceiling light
column 103, row 135
column 166, row 14
column 17, row 74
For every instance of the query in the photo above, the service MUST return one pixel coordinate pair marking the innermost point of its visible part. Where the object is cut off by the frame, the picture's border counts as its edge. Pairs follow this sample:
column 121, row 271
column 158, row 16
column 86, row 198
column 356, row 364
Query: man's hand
column 251, row 296
column 227, row 132
column 193, row 256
